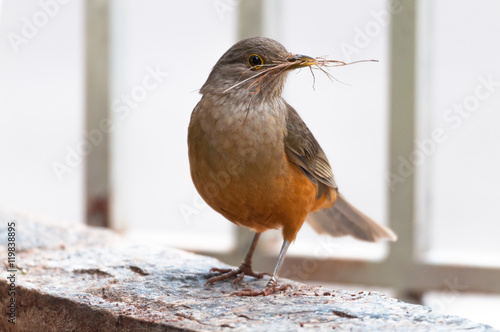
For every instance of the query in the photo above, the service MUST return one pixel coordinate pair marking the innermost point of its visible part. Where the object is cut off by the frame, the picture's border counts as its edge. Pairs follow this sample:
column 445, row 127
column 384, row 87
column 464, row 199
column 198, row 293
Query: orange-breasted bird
column 254, row 160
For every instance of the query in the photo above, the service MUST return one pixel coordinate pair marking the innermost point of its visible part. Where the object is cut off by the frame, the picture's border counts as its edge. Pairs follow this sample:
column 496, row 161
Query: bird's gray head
column 254, row 67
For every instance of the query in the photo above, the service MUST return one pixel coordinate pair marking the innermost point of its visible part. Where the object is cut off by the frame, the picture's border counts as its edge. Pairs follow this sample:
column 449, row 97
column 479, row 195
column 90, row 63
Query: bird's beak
column 301, row 61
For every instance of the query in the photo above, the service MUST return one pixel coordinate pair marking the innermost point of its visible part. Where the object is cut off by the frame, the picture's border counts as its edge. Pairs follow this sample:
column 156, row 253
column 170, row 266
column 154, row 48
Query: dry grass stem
column 266, row 73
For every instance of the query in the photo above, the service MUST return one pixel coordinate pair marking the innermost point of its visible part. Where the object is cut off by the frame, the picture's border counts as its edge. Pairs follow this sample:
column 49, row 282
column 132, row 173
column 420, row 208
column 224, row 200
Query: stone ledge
column 96, row 281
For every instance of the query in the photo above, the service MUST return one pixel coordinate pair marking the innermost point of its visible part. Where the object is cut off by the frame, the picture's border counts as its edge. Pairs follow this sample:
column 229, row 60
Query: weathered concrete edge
column 61, row 314
column 39, row 309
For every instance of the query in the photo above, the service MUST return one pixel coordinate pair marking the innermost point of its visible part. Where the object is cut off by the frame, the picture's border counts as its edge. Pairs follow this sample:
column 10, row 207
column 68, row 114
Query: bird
column 253, row 159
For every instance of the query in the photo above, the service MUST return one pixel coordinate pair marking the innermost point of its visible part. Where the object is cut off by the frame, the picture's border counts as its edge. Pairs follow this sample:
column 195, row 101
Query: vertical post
column 272, row 15
column 250, row 18
column 401, row 136
column 250, row 24
column 97, row 112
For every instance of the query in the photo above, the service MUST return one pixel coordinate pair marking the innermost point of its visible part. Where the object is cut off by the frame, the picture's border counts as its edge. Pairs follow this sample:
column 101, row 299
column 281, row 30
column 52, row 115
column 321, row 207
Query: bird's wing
column 303, row 150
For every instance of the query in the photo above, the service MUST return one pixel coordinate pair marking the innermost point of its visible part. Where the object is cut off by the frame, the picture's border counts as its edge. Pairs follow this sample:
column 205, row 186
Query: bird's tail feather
column 344, row 219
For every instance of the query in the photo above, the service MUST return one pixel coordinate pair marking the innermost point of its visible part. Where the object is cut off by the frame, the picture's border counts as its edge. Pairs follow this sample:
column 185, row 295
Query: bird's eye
column 255, row 61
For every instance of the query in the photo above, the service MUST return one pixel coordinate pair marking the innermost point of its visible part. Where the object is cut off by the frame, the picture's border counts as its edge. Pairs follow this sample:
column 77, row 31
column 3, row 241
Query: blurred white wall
column 41, row 107
column 460, row 96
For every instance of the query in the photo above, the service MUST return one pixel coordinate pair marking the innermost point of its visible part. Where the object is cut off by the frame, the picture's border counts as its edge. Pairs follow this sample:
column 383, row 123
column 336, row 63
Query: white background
column 41, row 105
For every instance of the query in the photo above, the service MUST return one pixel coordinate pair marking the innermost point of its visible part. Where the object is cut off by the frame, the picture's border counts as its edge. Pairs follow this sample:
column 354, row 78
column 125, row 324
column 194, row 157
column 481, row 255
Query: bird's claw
column 240, row 273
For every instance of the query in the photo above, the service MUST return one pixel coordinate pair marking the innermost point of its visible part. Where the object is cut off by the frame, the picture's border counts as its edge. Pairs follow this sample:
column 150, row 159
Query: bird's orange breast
column 242, row 172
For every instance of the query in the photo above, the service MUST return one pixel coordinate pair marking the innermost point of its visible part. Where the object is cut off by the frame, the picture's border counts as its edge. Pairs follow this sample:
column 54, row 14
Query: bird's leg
column 272, row 284
column 245, row 268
